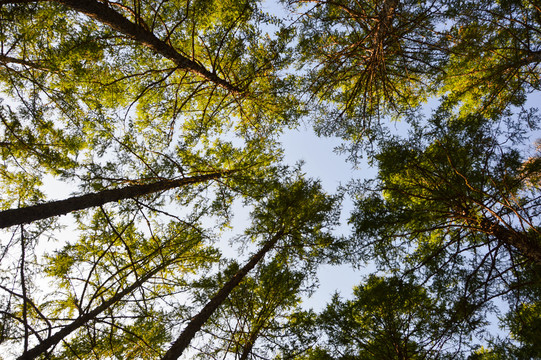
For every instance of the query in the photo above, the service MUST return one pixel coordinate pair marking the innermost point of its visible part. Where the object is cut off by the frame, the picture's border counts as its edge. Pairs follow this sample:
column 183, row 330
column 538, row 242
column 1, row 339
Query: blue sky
column 323, row 163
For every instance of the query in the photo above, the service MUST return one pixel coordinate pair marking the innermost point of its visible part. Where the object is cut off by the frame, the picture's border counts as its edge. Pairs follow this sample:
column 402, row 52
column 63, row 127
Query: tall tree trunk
column 201, row 318
column 43, row 346
column 106, row 15
column 54, row 208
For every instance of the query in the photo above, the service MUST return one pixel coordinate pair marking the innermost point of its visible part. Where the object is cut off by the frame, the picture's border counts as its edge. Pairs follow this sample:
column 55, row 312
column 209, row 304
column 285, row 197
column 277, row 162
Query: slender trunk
column 54, row 208
column 106, row 15
column 387, row 14
column 201, row 318
column 529, row 245
column 385, row 20
column 43, row 346
column 23, row 286
column 247, row 350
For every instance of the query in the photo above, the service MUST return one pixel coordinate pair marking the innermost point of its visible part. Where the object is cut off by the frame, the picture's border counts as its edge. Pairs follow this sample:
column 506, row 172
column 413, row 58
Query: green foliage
column 364, row 59
column 453, row 204
column 84, row 88
column 494, row 58
column 305, row 215
column 108, row 94
column 444, row 182
column 388, row 318
column 110, row 258
column 254, row 318
column 111, row 339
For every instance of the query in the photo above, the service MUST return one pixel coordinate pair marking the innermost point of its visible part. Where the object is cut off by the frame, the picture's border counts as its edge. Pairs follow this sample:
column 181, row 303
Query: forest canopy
column 165, row 117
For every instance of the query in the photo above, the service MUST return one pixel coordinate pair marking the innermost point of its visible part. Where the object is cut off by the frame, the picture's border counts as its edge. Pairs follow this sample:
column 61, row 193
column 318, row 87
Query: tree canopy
column 165, row 118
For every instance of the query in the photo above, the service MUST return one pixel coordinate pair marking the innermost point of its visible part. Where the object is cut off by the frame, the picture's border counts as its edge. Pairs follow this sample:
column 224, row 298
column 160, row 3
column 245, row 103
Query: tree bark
column 43, row 346
column 197, row 322
column 55, row 208
column 529, row 246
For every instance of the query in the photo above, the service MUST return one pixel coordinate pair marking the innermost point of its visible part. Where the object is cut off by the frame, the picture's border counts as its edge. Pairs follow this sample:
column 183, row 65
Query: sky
column 323, row 163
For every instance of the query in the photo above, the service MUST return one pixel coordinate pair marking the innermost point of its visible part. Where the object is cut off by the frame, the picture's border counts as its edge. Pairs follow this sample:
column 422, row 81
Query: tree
column 495, row 55
column 522, row 321
column 140, row 211
column 198, row 50
column 117, row 290
column 296, row 214
column 169, row 77
column 109, row 279
column 454, row 174
column 389, row 318
column 252, row 321
column 365, row 59
column 457, row 204
column 125, row 99
column 175, row 82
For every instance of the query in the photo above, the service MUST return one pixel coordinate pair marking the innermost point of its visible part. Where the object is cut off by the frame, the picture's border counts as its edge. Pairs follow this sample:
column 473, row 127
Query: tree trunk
column 247, row 349
column 201, row 318
column 54, row 208
column 529, row 246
